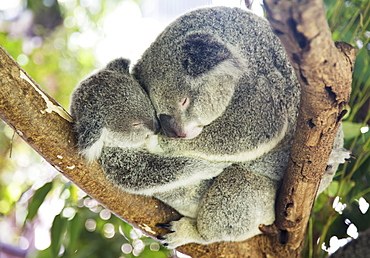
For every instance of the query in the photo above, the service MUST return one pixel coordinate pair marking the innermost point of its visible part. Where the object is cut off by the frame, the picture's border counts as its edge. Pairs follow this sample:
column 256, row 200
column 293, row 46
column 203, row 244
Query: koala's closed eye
column 184, row 102
column 111, row 114
column 137, row 124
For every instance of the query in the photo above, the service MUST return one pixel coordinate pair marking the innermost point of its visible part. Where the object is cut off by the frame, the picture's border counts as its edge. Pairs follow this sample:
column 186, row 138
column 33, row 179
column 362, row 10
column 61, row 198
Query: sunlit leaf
column 74, row 229
column 367, row 144
column 47, row 253
column 150, row 254
column 57, row 233
column 351, row 130
column 344, row 188
column 37, row 199
column 333, row 188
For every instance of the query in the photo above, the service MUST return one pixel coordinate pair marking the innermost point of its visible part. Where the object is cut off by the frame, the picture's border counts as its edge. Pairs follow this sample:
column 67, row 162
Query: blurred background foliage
column 60, row 42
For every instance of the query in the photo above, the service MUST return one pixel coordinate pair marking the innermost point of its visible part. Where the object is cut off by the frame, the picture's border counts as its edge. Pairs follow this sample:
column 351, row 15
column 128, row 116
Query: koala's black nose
column 170, row 127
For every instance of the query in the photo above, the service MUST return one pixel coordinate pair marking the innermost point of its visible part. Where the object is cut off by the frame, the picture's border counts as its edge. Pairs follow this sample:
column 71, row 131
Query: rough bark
column 325, row 75
column 324, row 70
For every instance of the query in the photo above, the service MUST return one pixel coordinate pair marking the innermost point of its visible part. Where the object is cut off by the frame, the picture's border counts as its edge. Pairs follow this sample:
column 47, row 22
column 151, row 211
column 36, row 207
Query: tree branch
column 46, row 127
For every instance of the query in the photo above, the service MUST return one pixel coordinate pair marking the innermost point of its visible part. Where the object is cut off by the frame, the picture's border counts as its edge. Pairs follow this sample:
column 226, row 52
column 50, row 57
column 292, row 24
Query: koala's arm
column 141, row 172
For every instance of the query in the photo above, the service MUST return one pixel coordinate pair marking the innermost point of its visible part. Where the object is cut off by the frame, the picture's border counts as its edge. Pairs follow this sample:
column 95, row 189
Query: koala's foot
column 337, row 156
column 184, row 231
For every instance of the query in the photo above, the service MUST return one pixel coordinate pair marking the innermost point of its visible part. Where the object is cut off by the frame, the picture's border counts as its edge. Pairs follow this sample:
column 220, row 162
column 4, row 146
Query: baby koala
column 110, row 109
column 116, row 124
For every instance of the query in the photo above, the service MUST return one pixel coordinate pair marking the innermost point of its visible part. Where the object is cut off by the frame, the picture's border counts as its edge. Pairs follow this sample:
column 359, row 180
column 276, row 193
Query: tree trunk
column 325, row 75
column 324, row 70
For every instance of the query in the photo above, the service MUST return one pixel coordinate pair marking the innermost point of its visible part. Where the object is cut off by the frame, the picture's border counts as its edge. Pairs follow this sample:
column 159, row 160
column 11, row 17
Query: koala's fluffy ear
column 201, row 52
column 119, row 65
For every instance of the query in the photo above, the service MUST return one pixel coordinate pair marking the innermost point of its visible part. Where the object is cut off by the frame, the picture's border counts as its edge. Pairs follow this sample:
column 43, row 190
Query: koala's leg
column 234, row 206
column 231, row 210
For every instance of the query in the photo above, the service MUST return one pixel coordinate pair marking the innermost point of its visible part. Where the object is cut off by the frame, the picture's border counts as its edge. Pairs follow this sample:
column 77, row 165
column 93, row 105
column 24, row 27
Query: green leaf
column 45, row 253
column 90, row 249
column 351, row 130
column 57, row 231
column 333, row 189
column 367, row 146
column 153, row 254
column 74, row 229
column 345, row 187
column 37, row 199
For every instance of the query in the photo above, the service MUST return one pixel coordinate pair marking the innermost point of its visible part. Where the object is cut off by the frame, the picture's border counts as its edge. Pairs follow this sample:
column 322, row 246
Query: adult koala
column 221, row 83
column 224, row 90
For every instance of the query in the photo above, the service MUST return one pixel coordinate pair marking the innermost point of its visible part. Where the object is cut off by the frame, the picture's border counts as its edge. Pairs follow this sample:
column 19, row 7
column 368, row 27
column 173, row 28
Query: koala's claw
column 183, row 231
column 339, row 156
column 160, row 237
column 351, row 156
column 163, row 225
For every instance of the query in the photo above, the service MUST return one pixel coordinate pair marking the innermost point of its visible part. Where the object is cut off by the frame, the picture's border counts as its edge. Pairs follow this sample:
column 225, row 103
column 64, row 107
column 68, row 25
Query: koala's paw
column 183, row 231
column 336, row 157
column 339, row 156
